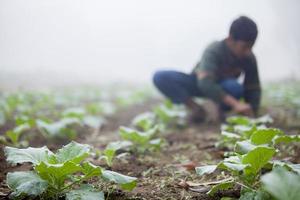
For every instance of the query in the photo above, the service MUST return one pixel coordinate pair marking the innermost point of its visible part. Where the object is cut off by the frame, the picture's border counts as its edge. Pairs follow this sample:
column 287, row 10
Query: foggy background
column 56, row 42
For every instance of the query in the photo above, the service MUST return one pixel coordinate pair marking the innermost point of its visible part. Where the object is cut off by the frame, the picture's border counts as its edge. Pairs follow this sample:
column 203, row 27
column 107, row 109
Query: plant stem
column 243, row 185
column 71, row 184
column 76, row 182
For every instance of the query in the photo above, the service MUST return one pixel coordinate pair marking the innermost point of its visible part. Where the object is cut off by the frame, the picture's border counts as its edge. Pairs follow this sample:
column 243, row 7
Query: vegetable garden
column 89, row 143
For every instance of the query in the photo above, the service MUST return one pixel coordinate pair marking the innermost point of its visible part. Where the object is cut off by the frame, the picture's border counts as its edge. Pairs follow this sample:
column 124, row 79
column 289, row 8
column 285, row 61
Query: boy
column 215, row 76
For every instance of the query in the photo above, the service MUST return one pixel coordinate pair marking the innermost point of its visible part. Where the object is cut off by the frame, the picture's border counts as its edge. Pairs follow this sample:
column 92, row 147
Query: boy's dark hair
column 243, row 28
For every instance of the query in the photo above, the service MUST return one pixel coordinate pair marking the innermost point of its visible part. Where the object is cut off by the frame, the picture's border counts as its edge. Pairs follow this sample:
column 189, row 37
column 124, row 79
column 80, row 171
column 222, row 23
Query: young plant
column 111, row 150
column 144, row 121
column 169, row 113
column 282, row 184
column 12, row 137
column 141, row 140
column 127, row 98
column 252, row 156
column 83, row 117
column 240, row 128
column 59, row 174
column 61, row 128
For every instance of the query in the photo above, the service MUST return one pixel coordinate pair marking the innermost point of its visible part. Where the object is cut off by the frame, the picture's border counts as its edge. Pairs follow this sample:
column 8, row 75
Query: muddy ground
column 161, row 175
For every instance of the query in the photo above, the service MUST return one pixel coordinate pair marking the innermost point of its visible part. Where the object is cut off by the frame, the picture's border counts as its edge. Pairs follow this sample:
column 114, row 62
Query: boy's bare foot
column 212, row 111
column 197, row 115
column 197, row 112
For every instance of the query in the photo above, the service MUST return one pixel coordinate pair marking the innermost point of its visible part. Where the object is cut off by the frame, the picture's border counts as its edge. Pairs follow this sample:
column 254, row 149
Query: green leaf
column 238, row 120
column 56, row 174
column 255, row 195
column 93, row 121
column 207, row 169
column 286, row 139
column 293, row 167
column 103, row 107
column 167, row 113
column 91, row 170
column 220, row 186
column 118, row 145
column 137, row 137
column 56, row 128
column 232, row 166
column 162, row 112
column 230, row 135
column 108, row 156
column 264, row 136
column 28, row 183
column 232, row 163
column 243, row 129
column 73, row 151
column 75, row 112
column 156, row 143
column 244, row 146
column 282, row 184
column 24, row 119
column 32, row 155
column 94, row 108
column 126, row 182
column 14, row 134
column 263, row 120
column 111, row 149
column 246, row 132
column 233, row 159
column 85, row 192
column 144, row 121
column 241, row 120
column 257, row 158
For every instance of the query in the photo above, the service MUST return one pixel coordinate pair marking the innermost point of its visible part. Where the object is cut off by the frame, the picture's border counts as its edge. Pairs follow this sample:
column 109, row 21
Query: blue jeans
column 179, row 87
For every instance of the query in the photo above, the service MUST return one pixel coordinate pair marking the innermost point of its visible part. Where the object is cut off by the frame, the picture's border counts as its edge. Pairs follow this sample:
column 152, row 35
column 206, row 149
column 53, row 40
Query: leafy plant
column 57, row 175
column 100, row 108
column 111, row 149
column 168, row 113
column 141, row 140
column 13, row 136
column 61, row 128
column 126, row 98
column 85, row 192
column 242, row 120
column 253, row 154
column 83, row 117
column 282, row 184
column 144, row 121
column 240, row 128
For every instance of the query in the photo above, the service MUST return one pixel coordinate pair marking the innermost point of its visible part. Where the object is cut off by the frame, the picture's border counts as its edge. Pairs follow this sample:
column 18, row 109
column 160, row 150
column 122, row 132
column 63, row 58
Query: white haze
column 97, row 41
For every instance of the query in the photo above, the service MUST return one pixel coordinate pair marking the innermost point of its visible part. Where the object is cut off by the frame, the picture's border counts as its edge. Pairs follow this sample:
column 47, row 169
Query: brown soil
column 160, row 174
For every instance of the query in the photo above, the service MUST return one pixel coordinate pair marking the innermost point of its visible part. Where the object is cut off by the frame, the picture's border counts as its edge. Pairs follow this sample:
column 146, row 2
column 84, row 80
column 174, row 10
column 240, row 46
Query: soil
column 161, row 175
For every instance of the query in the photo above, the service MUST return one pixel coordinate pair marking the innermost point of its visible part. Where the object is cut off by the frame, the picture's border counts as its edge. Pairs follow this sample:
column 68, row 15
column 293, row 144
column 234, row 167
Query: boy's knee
column 160, row 78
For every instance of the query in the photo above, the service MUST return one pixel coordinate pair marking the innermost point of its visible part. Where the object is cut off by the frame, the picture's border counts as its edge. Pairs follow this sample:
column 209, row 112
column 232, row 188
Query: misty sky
column 97, row 40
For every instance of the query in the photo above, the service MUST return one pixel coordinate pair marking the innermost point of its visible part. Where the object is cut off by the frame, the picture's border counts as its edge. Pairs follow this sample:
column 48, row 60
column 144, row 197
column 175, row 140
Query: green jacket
column 220, row 63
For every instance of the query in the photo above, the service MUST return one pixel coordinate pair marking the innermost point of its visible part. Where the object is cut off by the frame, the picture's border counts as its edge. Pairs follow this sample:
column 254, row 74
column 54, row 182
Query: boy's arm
column 206, row 79
column 206, row 76
column 252, row 86
column 212, row 90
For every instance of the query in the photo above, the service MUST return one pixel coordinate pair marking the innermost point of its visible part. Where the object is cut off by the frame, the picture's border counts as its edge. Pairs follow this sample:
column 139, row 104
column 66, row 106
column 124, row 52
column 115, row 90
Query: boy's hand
column 243, row 108
column 238, row 107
